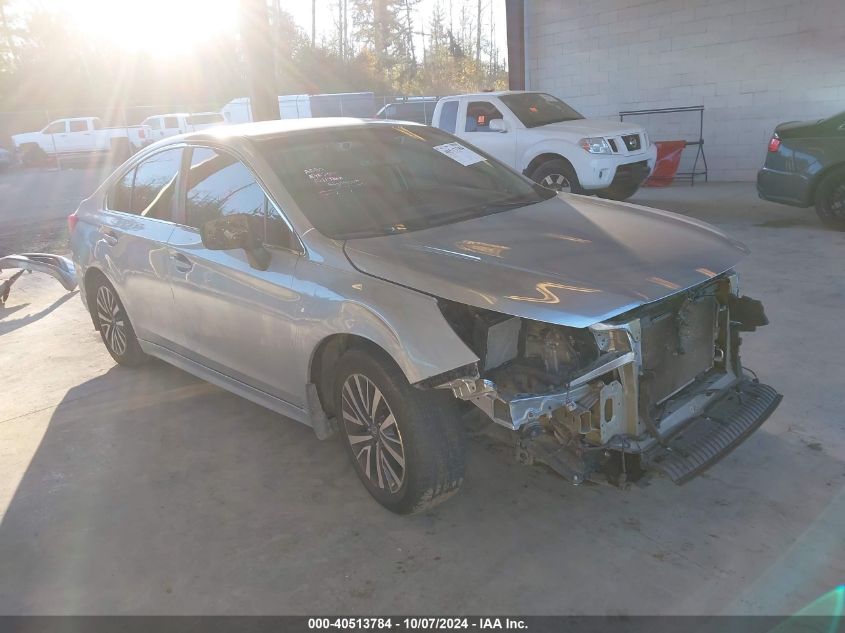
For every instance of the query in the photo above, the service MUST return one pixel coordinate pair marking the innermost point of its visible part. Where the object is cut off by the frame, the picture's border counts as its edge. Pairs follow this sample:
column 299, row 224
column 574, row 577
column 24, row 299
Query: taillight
column 72, row 219
column 774, row 144
column 141, row 133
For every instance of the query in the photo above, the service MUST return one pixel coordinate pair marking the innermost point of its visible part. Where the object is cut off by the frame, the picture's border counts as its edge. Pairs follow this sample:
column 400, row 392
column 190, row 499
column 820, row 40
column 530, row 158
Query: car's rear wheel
column 558, row 175
column 830, row 199
column 405, row 444
column 115, row 328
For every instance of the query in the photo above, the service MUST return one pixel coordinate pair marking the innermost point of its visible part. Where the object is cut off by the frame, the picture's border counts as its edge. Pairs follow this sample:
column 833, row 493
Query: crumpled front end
column 660, row 388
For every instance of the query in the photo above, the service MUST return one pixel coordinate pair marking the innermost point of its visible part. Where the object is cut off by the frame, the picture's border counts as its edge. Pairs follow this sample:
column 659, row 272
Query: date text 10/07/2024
column 418, row 623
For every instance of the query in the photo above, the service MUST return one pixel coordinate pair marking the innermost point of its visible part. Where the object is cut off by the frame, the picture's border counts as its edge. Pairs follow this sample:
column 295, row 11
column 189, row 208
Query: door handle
column 181, row 263
column 109, row 236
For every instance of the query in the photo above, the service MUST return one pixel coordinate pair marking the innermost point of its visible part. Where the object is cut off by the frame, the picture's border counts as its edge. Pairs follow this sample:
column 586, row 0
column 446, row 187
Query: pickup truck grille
column 632, row 142
column 677, row 346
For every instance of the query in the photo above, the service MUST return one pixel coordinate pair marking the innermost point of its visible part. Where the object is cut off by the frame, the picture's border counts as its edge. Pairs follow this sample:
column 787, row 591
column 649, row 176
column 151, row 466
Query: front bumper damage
column 665, row 396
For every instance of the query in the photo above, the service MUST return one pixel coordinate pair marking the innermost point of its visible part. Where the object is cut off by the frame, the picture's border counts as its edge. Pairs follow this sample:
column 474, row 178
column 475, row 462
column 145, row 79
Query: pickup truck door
column 474, row 125
column 56, row 138
column 79, row 138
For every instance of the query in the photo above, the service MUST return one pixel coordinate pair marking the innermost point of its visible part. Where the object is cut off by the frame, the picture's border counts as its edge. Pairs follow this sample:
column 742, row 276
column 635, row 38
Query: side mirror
column 498, row 125
column 238, row 230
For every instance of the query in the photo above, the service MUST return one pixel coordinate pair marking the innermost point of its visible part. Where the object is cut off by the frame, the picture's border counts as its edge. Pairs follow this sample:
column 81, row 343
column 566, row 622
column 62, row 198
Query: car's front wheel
column 405, row 444
column 557, row 174
column 115, row 328
column 830, row 199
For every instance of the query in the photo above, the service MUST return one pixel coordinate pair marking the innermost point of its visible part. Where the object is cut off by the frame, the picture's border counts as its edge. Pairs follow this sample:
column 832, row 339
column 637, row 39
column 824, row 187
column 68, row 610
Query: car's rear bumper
column 784, row 187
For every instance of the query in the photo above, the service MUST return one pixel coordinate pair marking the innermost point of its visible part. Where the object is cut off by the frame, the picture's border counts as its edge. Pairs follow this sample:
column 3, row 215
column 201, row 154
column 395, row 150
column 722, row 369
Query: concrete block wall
column 751, row 63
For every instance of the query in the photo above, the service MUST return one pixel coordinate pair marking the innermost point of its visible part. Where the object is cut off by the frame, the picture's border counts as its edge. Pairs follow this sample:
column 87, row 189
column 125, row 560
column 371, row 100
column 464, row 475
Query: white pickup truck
column 79, row 136
column 164, row 125
column 551, row 143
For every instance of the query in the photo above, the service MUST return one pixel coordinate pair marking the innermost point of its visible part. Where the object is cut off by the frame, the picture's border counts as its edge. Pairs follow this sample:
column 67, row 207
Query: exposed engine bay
column 638, row 392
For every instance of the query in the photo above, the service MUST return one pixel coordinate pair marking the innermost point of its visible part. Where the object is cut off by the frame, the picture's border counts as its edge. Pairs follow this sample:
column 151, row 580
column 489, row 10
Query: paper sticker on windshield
column 458, row 153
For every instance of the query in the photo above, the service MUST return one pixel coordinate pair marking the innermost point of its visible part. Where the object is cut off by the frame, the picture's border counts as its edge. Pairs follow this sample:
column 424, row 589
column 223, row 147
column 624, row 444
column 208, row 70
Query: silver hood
column 571, row 260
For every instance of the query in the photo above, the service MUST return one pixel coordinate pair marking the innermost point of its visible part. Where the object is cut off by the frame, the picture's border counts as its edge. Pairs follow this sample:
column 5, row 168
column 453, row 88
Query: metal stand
column 700, row 142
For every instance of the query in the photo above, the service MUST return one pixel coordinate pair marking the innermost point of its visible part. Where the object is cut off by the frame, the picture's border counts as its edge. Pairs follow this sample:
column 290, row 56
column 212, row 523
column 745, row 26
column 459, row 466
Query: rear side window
column 218, row 185
column 155, row 184
column 154, row 123
column 171, row 123
column 448, row 116
column 96, row 124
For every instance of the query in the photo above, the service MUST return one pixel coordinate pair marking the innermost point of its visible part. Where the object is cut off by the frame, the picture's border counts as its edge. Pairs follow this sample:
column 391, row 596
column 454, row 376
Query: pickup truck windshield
column 378, row 180
column 538, row 108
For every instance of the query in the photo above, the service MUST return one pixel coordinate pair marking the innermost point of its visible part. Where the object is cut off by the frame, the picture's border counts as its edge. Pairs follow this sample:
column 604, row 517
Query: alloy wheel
column 373, row 434
column 558, row 182
column 112, row 320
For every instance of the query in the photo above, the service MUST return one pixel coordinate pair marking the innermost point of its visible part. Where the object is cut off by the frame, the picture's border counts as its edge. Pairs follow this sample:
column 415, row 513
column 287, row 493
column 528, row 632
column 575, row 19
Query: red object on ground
column 668, row 159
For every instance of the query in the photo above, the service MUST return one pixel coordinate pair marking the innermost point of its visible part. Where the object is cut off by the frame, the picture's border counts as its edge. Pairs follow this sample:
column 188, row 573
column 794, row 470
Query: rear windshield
column 379, row 180
column 539, row 108
column 205, row 119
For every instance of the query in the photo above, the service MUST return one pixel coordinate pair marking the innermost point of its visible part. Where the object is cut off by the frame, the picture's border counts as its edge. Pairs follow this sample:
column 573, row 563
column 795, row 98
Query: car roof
column 278, row 128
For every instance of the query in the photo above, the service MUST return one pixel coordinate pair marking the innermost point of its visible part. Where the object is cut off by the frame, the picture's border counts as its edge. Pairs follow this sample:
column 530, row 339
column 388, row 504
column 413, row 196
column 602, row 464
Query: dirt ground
column 151, row 492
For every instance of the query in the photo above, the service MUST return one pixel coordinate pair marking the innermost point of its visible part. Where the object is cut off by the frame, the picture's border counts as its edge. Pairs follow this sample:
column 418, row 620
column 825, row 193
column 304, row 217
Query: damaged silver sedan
column 381, row 280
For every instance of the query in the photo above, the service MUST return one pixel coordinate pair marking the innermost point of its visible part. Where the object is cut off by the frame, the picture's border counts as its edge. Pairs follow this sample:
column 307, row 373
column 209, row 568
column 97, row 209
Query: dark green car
column 805, row 166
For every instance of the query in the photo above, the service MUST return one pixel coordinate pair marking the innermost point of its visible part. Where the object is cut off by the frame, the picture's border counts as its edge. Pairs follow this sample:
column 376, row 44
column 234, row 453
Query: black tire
column 425, row 433
column 619, row 192
column 830, row 199
column 33, row 156
column 557, row 174
column 115, row 328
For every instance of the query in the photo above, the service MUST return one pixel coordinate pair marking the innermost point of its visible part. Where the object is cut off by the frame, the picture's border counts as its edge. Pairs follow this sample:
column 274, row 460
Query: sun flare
column 158, row 27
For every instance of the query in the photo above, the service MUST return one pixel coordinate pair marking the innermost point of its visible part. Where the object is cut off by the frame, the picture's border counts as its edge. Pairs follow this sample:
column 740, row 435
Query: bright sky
column 167, row 27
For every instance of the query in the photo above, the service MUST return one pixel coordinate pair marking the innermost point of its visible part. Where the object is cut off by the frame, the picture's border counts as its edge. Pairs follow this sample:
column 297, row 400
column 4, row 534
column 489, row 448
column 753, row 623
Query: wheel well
column 91, row 275
column 821, row 176
column 324, row 360
column 543, row 158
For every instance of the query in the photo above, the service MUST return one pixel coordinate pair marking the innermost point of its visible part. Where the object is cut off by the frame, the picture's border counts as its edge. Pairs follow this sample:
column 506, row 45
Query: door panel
column 475, row 129
column 134, row 242
column 230, row 316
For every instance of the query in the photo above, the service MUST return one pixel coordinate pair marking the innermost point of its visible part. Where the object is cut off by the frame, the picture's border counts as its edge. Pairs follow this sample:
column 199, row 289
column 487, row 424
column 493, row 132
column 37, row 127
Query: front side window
column 538, row 108
column 479, row 115
column 448, row 116
column 120, row 196
column 155, row 184
column 78, row 126
column 57, row 127
column 218, row 185
column 378, row 180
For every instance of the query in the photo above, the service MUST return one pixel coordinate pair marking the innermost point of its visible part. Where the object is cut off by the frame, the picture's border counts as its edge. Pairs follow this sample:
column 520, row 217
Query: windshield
column 378, row 180
column 538, row 108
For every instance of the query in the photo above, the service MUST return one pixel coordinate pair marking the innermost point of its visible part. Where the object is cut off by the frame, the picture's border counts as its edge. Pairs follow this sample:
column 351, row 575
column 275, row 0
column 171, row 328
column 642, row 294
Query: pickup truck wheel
column 619, row 192
column 115, row 328
column 405, row 444
column 33, row 156
column 558, row 175
column 830, row 199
